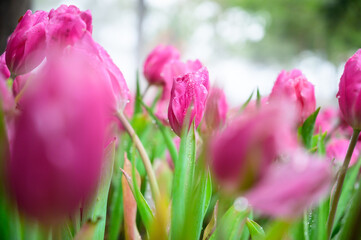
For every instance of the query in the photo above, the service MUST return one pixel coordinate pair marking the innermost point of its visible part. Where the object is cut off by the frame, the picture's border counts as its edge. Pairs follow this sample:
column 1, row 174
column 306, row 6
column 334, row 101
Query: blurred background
column 244, row 43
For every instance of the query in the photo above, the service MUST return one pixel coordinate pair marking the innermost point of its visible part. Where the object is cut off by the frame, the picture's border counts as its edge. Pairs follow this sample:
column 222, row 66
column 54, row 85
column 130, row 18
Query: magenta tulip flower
column 296, row 88
column 189, row 91
column 67, row 24
column 216, row 110
column 155, row 62
column 60, row 132
column 349, row 91
column 336, row 151
column 243, row 152
column 26, row 45
column 288, row 189
column 326, row 120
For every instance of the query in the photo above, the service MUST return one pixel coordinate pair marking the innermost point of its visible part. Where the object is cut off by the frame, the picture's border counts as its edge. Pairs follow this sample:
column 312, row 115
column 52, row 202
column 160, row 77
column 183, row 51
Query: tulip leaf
column 258, row 98
column 348, row 190
column 87, row 231
column 137, row 104
column 256, row 231
column 208, row 231
column 98, row 210
column 277, row 230
column 231, row 225
column 165, row 133
column 351, row 229
column 145, row 211
column 116, row 203
column 244, row 105
column 182, row 181
column 307, row 129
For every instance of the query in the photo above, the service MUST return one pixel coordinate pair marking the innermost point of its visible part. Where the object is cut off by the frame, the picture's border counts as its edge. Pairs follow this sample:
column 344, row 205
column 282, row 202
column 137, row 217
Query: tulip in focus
column 57, row 151
column 288, row 189
column 155, row 62
column 349, row 91
column 189, row 91
column 216, row 110
column 26, row 45
column 296, row 88
column 336, row 150
column 243, row 152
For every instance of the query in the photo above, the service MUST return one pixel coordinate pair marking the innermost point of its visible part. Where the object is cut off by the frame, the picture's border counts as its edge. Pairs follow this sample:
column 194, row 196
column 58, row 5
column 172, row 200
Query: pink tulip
column 294, row 86
column 59, row 138
column 67, row 24
column 172, row 70
column 26, row 45
column 349, row 91
column 243, row 152
column 288, row 189
column 119, row 94
column 155, row 62
column 188, row 91
column 216, row 110
column 336, row 150
column 326, row 120
column 4, row 71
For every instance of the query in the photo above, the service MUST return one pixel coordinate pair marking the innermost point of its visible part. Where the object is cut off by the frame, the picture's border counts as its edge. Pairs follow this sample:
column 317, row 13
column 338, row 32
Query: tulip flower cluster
column 83, row 158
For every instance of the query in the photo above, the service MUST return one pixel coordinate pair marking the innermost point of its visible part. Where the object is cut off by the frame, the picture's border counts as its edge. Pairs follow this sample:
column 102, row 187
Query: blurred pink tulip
column 336, row 150
column 59, row 139
column 67, row 24
column 188, row 91
column 155, row 62
column 216, row 110
column 243, row 152
column 25, row 49
column 294, row 86
column 326, row 120
column 288, row 189
column 349, row 97
column 4, row 71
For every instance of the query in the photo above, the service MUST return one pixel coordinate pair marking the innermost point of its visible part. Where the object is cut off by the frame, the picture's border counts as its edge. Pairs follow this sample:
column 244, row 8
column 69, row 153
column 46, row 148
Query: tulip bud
column 26, row 45
column 155, row 62
column 216, row 109
column 59, row 138
column 188, row 91
column 67, row 24
column 349, row 91
column 294, row 86
column 336, row 151
column 288, row 189
column 242, row 153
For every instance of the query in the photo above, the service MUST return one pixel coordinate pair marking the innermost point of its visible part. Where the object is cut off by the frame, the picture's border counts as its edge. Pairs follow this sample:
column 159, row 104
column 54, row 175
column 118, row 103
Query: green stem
column 340, row 180
column 305, row 226
column 143, row 155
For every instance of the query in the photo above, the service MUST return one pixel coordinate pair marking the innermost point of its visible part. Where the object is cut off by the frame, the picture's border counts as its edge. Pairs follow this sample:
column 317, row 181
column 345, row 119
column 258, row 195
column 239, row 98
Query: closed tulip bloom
column 288, row 189
column 67, row 24
column 155, row 62
column 349, row 91
column 4, row 71
column 336, row 151
column 59, row 139
column 188, row 91
column 216, row 109
column 296, row 88
column 25, row 49
column 242, row 153
column 172, row 70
